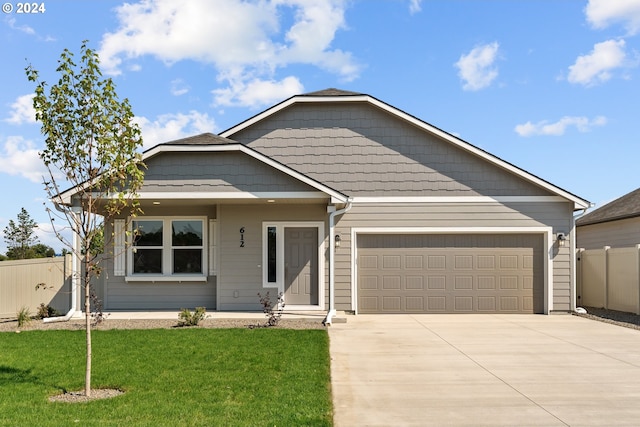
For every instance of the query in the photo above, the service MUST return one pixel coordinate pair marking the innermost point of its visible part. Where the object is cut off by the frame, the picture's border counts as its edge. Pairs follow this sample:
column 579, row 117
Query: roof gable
column 199, row 143
column 210, row 143
column 337, row 98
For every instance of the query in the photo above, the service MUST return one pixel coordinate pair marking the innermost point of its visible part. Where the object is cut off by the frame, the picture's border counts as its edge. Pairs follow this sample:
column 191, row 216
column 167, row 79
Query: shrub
column 45, row 311
column 187, row 318
column 273, row 315
column 24, row 317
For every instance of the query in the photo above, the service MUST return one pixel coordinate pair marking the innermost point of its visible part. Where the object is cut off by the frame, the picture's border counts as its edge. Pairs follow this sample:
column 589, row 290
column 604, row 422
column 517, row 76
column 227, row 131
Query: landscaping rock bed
column 12, row 325
column 620, row 318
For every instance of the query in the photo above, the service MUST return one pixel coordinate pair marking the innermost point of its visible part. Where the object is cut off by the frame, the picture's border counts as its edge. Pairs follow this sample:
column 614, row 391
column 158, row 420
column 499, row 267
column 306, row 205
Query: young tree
column 91, row 145
column 21, row 237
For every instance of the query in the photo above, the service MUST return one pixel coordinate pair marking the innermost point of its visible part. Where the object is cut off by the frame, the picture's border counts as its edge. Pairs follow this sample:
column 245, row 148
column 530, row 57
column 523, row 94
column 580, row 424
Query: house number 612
column 242, row 237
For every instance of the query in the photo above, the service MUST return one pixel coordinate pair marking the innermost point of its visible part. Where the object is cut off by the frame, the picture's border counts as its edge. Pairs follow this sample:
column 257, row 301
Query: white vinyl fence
column 18, row 281
column 609, row 278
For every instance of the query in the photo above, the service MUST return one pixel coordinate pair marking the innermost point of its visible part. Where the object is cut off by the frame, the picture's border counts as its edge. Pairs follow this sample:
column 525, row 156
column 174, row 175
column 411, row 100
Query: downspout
column 74, row 283
column 332, row 251
column 574, row 284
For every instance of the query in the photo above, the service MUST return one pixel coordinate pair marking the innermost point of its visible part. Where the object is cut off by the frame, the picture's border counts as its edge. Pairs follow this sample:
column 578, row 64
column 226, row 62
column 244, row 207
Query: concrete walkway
column 484, row 370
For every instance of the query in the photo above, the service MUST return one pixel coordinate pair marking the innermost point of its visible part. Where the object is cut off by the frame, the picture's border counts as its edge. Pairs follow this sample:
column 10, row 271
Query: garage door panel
column 369, row 283
column 486, row 283
column 414, row 262
column 463, row 304
column 487, row 304
column 412, row 274
column 436, row 304
column 391, row 283
column 391, row 304
column 414, row 283
column 368, row 304
column 463, row 282
column 415, row 304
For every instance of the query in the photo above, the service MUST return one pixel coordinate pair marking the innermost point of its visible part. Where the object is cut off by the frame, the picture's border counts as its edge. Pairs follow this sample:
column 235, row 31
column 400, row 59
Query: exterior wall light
column 338, row 239
column 561, row 238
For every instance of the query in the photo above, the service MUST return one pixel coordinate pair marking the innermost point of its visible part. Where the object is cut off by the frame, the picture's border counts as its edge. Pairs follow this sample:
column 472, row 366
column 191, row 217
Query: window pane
column 147, row 261
column 271, row 255
column 187, row 260
column 147, row 233
column 186, row 233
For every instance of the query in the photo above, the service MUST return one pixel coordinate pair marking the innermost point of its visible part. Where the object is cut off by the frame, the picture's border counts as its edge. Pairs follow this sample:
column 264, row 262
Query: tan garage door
column 450, row 273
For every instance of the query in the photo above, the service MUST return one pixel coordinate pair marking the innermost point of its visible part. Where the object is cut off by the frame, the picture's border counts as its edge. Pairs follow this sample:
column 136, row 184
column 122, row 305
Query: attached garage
column 450, row 273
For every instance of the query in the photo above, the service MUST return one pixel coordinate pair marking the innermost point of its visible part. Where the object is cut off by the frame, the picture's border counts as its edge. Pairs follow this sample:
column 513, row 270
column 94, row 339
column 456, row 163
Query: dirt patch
column 80, row 397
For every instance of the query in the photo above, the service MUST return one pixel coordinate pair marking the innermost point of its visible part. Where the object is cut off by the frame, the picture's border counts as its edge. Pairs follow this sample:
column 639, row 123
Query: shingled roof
column 201, row 139
column 332, row 92
column 627, row 206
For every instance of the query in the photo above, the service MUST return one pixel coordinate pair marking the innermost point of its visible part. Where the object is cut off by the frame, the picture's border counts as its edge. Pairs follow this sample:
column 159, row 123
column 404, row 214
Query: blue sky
column 550, row 86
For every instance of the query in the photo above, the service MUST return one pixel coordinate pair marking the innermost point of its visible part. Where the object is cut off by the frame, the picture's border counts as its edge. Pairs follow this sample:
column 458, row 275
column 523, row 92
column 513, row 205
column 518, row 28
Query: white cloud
column 22, row 111
column 582, row 124
column 414, row 6
column 257, row 92
column 23, row 28
column 20, row 157
column 179, row 87
column 169, row 127
column 603, row 13
column 476, row 69
column 242, row 39
column 597, row 66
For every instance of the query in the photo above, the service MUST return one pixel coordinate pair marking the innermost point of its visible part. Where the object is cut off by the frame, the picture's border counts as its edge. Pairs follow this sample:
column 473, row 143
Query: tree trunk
column 87, row 317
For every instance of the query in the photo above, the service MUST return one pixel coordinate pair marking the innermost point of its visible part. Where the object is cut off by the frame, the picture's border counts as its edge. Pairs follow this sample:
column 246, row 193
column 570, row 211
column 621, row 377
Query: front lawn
column 171, row 377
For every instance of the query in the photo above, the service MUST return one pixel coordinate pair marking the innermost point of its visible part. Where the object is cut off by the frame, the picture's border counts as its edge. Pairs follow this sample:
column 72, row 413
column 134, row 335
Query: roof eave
column 578, row 202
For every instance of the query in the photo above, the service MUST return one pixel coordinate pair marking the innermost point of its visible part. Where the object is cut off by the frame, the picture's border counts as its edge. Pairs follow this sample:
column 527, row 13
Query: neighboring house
column 343, row 202
column 616, row 224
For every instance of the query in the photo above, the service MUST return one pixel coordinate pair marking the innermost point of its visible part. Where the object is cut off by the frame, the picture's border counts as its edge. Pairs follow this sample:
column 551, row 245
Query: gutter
column 332, row 251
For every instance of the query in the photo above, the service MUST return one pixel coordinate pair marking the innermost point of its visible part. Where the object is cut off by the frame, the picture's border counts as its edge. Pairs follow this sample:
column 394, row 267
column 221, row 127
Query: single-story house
column 342, row 202
column 616, row 224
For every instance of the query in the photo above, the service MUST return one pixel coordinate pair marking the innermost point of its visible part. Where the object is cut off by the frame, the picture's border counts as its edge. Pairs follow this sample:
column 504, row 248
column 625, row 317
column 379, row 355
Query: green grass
column 171, row 377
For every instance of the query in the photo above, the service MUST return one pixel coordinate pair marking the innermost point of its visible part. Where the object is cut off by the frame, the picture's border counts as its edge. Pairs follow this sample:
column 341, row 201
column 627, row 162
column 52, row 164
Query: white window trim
column 279, row 284
column 167, row 253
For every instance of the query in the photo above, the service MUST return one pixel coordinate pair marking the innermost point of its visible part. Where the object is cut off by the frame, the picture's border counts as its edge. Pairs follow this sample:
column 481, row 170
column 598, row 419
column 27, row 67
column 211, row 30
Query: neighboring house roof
column 335, row 95
column 627, row 206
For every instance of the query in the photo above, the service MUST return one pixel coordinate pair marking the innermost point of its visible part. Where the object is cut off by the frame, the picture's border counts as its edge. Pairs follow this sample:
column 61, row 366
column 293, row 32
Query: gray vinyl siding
column 616, row 234
column 240, row 268
column 363, row 151
column 217, row 171
column 555, row 215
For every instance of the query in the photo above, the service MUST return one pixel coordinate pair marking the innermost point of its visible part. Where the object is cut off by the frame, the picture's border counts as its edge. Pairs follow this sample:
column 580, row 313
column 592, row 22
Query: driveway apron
column 484, row 370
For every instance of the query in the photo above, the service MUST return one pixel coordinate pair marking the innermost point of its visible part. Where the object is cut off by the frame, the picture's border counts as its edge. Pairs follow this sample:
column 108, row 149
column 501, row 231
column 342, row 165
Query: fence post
column 579, row 277
column 606, row 276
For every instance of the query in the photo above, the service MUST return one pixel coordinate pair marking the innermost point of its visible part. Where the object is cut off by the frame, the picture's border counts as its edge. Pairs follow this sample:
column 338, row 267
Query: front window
column 168, row 246
column 186, row 244
column 271, row 255
column 147, row 244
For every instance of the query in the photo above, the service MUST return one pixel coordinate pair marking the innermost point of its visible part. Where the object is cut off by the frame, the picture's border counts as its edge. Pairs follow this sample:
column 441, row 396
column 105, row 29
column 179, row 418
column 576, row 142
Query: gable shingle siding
column 220, row 172
column 360, row 150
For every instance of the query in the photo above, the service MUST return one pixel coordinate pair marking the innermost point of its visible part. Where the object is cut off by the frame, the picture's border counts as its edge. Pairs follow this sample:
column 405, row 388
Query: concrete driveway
column 484, row 370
